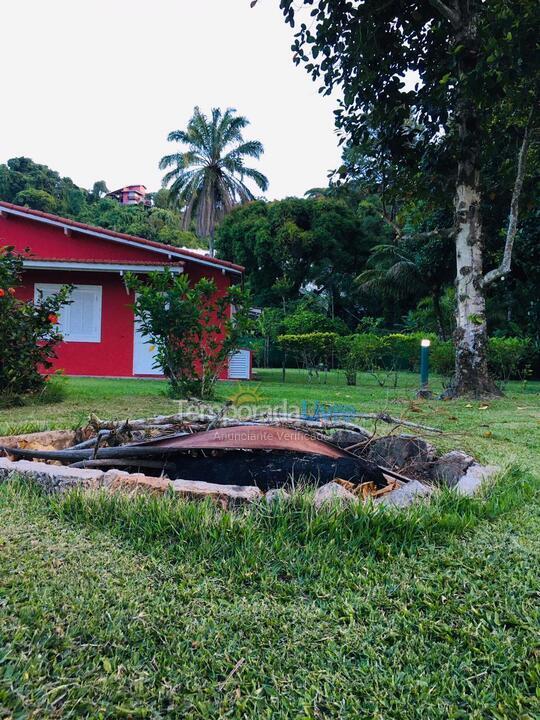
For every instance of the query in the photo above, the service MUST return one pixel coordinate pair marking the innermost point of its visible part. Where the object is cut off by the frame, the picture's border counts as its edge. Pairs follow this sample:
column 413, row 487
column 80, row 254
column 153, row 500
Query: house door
column 144, row 354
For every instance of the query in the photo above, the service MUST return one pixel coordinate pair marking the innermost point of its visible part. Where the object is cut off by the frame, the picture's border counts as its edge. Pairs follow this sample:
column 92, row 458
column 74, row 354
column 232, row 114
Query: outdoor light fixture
column 424, row 367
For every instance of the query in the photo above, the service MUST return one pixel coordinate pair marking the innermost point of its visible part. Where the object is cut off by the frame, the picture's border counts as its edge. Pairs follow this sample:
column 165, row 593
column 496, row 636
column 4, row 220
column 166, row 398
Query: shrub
column 37, row 200
column 442, row 357
column 311, row 349
column 363, row 352
column 509, row 357
column 28, row 333
column 191, row 327
column 304, row 321
column 403, row 350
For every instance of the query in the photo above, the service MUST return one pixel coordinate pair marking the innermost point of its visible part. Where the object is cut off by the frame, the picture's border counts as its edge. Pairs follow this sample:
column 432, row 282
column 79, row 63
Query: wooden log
column 127, row 462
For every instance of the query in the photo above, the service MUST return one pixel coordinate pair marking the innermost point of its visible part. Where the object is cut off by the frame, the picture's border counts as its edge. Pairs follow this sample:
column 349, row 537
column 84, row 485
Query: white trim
column 93, row 336
column 123, row 241
column 102, row 267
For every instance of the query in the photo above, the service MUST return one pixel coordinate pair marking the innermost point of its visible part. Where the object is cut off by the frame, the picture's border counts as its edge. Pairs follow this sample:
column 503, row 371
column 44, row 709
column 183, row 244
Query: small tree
column 28, row 333
column 194, row 328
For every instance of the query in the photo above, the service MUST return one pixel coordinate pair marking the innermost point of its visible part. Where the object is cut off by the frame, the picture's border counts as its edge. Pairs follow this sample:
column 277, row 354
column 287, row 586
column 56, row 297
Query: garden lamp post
column 424, row 364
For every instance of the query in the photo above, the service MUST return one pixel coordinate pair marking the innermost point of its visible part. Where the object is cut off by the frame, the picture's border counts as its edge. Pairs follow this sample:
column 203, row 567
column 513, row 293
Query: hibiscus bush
column 193, row 327
column 29, row 333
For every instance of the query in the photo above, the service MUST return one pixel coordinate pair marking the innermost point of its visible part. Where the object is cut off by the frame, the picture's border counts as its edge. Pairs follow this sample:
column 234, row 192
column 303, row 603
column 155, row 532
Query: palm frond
column 208, row 177
column 258, row 178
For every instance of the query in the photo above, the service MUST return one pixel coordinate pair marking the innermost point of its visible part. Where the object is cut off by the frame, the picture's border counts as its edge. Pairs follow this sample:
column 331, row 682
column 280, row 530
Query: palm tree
column 207, row 178
column 394, row 271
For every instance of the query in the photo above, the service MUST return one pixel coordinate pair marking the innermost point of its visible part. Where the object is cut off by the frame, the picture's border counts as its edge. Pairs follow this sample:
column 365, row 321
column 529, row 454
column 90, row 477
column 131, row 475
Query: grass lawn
column 158, row 608
column 500, row 431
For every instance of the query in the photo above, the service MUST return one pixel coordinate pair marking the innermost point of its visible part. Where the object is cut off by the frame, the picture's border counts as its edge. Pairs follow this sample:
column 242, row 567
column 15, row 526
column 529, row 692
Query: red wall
column 113, row 356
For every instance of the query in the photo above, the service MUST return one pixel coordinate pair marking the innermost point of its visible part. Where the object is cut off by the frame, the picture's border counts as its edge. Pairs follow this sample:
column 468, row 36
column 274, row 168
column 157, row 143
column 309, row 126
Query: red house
column 131, row 195
column 101, row 337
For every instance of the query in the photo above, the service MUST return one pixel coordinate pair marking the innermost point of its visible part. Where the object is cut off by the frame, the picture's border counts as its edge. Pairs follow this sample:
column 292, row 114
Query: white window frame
column 63, row 315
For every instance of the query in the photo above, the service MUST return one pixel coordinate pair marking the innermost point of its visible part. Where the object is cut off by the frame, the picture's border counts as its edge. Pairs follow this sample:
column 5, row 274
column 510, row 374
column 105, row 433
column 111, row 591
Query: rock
column 401, row 452
column 332, row 492
column 225, row 494
column 57, row 439
column 451, row 467
column 276, row 495
column 52, row 478
column 134, row 482
column 470, row 483
column 58, row 478
column 405, row 495
column 346, row 438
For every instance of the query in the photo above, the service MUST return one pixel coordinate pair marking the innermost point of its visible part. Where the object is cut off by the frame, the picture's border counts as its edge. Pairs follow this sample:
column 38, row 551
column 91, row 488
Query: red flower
column 11, row 291
column 53, row 319
column 2, row 292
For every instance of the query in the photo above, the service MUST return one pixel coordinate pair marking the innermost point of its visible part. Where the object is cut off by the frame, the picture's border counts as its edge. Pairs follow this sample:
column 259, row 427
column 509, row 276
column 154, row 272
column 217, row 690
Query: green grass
column 507, row 430
column 118, row 608
column 113, row 607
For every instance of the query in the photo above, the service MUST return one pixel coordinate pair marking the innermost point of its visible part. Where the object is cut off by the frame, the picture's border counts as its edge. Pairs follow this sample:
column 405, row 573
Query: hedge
column 508, row 358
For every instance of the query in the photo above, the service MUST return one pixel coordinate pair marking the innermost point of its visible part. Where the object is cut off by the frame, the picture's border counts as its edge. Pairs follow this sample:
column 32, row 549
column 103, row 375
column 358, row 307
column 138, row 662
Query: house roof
column 113, row 236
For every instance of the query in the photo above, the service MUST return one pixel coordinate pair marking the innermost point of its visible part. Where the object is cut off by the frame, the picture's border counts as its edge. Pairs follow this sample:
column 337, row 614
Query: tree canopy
column 296, row 245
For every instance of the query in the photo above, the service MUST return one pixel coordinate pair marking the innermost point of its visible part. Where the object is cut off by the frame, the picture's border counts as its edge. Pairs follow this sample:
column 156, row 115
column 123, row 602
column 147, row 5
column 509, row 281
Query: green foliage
column 303, row 321
column 26, row 183
column 191, row 327
column 403, row 350
column 362, row 352
column 289, row 245
column 442, row 358
column 509, row 358
column 433, row 315
column 36, row 199
column 312, row 350
column 28, row 333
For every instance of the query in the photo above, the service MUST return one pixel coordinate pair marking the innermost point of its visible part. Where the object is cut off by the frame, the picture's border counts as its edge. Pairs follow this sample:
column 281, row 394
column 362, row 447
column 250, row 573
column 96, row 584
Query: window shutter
column 80, row 321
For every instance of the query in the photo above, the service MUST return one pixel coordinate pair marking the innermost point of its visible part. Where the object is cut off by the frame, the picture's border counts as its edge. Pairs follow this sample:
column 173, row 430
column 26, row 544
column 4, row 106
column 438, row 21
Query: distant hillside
column 24, row 182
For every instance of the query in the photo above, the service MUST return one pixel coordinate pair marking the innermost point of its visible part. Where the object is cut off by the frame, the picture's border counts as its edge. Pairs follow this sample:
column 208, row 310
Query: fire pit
column 222, row 458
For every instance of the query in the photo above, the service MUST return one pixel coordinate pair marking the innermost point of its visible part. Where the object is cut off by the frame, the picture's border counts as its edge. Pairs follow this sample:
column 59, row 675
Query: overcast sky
column 91, row 88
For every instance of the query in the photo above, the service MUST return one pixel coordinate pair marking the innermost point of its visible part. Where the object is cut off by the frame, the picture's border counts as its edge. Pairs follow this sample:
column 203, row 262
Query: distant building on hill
column 131, row 195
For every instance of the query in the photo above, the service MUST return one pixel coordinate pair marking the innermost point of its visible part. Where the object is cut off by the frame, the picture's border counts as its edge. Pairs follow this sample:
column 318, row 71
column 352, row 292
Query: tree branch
column 506, row 262
column 450, row 14
column 390, row 222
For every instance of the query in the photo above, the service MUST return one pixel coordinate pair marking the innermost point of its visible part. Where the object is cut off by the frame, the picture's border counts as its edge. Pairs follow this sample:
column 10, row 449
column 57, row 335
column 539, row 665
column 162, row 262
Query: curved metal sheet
column 249, row 437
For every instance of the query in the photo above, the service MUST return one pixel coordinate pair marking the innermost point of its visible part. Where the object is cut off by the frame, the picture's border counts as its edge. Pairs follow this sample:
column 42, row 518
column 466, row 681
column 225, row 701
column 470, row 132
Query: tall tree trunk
column 471, row 369
column 471, row 339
